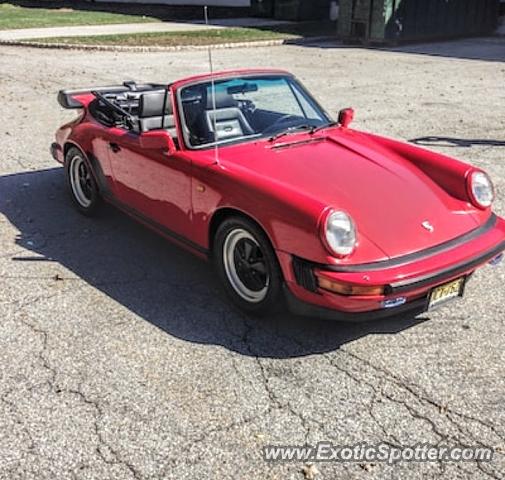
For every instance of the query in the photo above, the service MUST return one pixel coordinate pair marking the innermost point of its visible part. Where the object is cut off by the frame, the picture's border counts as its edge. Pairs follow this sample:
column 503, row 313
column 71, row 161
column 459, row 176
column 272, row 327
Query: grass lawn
column 14, row 16
column 203, row 37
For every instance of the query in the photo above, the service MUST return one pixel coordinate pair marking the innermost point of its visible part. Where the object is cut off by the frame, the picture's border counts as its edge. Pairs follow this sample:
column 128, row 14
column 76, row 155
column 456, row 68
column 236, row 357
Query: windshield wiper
column 290, row 130
column 322, row 127
column 312, row 129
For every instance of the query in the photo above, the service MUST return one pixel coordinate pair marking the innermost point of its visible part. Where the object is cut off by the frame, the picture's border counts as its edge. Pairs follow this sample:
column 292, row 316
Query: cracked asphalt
column 119, row 358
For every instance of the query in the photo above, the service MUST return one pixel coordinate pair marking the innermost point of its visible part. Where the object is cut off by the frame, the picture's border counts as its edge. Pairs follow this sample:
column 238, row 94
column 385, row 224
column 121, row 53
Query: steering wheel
column 278, row 122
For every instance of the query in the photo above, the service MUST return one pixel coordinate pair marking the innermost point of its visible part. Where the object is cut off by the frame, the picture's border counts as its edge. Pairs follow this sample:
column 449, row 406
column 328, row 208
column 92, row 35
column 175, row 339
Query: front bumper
column 407, row 281
column 305, row 309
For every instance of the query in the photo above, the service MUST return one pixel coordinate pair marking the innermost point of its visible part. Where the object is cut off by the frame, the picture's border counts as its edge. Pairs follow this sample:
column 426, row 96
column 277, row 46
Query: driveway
column 119, row 359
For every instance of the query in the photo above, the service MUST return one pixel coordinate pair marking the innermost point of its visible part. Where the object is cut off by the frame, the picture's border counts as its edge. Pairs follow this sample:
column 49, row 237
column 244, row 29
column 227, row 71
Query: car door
column 151, row 183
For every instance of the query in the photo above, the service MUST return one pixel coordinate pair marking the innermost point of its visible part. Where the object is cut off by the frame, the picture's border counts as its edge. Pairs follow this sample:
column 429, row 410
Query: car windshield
column 245, row 108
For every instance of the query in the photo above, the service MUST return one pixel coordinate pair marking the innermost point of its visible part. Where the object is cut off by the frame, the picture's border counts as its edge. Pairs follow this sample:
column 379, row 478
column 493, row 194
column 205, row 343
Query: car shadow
column 154, row 279
column 456, row 142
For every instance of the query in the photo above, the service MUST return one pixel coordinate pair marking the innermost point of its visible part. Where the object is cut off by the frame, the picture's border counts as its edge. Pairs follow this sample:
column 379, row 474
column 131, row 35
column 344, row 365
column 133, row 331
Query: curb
column 154, row 48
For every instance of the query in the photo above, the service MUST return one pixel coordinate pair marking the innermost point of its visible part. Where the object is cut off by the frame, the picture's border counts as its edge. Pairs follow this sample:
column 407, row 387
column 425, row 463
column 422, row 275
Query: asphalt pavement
column 119, row 357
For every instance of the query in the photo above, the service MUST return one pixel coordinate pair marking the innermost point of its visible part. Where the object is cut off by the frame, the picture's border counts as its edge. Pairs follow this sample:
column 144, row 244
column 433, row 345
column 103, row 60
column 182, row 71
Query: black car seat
column 228, row 118
column 151, row 115
column 194, row 100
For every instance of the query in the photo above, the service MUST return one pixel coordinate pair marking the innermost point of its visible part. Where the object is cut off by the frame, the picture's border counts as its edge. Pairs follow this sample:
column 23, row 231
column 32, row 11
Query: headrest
column 151, row 104
column 223, row 100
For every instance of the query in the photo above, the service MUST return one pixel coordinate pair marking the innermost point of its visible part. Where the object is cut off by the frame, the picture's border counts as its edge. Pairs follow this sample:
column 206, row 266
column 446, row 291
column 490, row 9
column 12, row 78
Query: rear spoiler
column 66, row 98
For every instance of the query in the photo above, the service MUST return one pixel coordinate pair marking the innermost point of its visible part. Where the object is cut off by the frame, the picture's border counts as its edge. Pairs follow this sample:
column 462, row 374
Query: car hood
column 394, row 204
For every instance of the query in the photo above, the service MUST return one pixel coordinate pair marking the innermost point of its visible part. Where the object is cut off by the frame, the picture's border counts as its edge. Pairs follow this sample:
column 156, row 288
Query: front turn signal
column 349, row 289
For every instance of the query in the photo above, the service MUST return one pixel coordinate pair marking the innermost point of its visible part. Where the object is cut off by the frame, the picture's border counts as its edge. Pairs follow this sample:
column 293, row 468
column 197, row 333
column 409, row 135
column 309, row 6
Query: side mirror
column 157, row 140
column 345, row 117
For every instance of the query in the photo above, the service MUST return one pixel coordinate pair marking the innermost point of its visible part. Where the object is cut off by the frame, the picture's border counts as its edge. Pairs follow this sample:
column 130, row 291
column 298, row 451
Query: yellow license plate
column 445, row 292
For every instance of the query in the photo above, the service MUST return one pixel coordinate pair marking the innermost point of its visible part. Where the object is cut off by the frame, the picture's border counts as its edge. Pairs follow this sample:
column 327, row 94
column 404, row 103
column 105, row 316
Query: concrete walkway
column 91, row 30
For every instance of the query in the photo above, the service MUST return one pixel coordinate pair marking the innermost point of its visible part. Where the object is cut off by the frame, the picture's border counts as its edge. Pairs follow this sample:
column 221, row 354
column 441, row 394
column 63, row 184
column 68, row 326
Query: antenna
column 213, row 90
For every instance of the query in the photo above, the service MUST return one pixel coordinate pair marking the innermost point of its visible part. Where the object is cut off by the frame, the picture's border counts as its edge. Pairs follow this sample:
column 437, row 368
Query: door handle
column 114, row 147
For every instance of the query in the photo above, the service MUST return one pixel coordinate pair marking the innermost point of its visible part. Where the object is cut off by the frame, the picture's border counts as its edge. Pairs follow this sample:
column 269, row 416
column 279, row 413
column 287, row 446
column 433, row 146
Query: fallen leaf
column 368, row 467
column 310, row 471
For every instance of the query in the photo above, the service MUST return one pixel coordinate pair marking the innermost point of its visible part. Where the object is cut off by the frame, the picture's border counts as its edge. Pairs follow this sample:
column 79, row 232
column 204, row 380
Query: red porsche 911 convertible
column 245, row 168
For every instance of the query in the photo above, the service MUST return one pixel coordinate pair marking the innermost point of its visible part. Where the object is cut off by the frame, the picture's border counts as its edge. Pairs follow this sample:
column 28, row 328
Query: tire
column 81, row 183
column 247, row 266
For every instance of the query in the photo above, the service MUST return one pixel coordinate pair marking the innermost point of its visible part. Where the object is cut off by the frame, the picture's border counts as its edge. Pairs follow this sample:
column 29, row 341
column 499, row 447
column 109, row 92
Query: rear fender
column 80, row 137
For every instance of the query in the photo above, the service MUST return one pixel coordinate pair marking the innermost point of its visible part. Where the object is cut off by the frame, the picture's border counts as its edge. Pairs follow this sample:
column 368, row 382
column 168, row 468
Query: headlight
column 481, row 189
column 339, row 233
